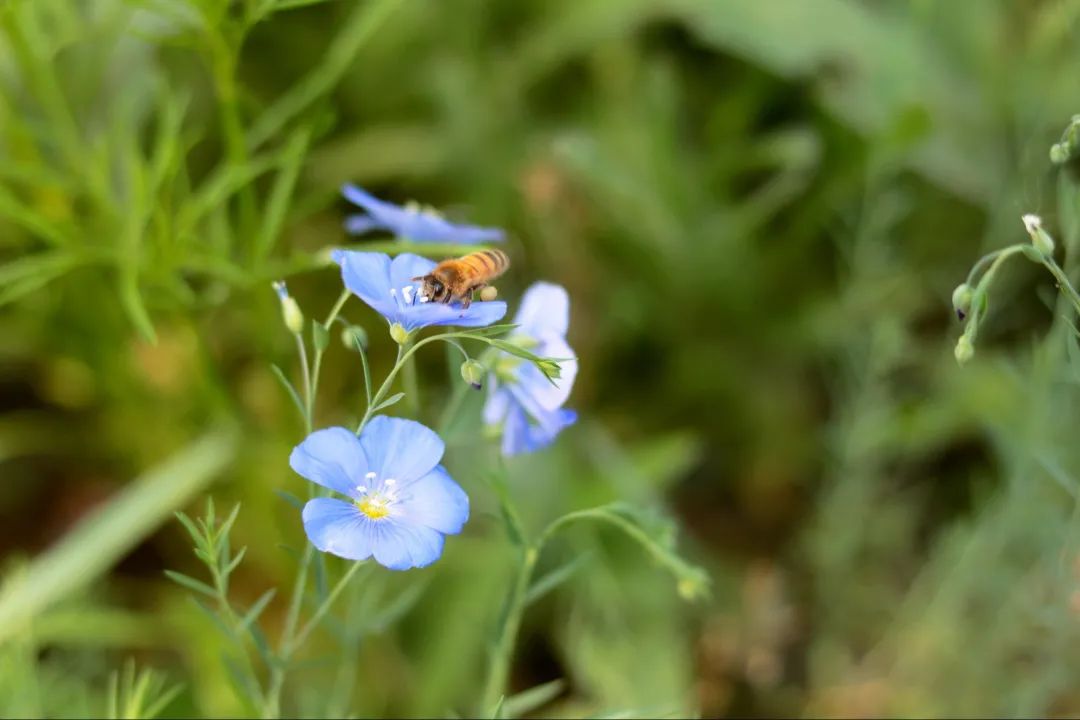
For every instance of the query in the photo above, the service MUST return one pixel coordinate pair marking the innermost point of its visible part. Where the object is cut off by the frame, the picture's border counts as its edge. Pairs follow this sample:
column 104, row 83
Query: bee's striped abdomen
column 486, row 264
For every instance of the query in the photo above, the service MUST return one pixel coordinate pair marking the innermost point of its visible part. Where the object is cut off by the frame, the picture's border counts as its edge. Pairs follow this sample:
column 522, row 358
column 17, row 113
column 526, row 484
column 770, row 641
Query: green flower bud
column 961, row 300
column 1032, row 254
column 693, row 586
column 399, row 334
column 473, row 373
column 1059, row 153
column 290, row 311
column 1040, row 239
column 964, row 350
column 354, row 336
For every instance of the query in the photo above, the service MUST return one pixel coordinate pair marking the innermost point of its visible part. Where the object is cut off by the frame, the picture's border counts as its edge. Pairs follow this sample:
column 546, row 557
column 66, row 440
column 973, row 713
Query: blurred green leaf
column 91, row 548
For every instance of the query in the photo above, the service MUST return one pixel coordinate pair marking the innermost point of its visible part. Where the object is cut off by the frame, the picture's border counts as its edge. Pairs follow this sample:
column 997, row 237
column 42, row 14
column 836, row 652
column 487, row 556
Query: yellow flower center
column 374, row 508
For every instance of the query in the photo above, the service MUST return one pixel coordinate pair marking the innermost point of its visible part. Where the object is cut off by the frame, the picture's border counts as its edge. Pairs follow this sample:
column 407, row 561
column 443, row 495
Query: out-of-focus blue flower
column 521, row 398
column 388, row 287
column 411, row 223
column 401, row 501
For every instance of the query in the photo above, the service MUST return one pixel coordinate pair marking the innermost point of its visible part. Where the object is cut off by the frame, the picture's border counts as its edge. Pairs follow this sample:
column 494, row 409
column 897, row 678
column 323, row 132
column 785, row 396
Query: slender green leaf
column 289, row 388
column 361, row 25
column 554, row 579
column 497, row 711
column 253, row 613
column 490, row 330
column 290, row 498
column 281, row 192
column 191, row 583
column 527, row 701
column 235, row 562
column 392, row 400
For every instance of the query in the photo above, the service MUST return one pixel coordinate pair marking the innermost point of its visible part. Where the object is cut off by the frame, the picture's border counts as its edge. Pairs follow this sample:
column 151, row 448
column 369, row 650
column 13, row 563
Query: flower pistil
column 376, row 498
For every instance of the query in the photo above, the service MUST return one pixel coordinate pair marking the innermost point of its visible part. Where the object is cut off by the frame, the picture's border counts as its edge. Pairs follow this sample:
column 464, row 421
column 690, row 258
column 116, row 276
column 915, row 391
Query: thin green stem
column 309, row 396
column 380, row 394
column 411, row 387
column 453, row 406
column 317, row 365
column 982, row 263
column 317, row 617
column 506, row 637
column 336, row 310
column 1063, row 282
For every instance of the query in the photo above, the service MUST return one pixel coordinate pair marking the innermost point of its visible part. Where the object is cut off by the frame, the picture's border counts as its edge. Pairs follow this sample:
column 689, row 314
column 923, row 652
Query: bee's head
column 432, row 288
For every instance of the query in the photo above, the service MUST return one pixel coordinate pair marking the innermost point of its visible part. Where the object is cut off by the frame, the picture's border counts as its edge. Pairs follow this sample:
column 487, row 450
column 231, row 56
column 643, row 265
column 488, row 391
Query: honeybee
column 458, row 278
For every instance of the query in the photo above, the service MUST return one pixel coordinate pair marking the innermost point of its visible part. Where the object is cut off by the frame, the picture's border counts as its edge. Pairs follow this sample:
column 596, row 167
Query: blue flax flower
column 388, row 286
column 401, row 501
column 411, row 222
column 521, row 398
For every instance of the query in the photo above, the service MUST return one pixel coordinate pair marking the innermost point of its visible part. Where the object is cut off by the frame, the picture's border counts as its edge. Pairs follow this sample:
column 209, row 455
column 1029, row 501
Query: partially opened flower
column 411, row 222
column 400, row 501
column 522, row 399
column 387, row 286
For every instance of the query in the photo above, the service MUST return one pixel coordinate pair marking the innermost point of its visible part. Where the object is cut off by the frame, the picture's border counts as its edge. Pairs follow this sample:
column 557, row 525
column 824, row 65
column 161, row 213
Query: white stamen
column 391, row 481
column 424, row 299
column 407, row 293
column 361, row 489
column 370, row 476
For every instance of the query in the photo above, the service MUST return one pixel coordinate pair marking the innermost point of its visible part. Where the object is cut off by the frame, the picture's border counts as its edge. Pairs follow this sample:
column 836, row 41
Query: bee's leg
column 466, row 301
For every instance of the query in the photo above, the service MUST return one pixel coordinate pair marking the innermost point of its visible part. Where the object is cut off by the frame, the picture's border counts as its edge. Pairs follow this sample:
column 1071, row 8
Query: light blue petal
column 497, row 404
column 544, row 311
column 522, row 434
column 376, row 207
column 368, row 276
column 360, row 224
column 405, row 267
column 437, row 502
column 400, row 449
column 469, row 234
column 546, row 394
column 414, row 224
column 399, row 545
column 406, row 223
column 426, row 227
column 478, row 314
column 339, row 528
column 332, row 458
column 515, row 432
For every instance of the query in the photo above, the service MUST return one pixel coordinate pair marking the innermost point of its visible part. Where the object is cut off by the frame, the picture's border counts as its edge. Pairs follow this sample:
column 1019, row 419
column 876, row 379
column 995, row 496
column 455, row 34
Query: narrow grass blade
column 99, row 541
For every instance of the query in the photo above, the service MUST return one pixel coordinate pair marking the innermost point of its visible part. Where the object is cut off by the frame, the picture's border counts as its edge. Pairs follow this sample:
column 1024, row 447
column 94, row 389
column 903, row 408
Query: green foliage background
column 760, row 210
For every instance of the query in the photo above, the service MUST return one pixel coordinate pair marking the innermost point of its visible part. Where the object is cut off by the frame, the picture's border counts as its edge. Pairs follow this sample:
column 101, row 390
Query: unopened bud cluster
column 970, row 302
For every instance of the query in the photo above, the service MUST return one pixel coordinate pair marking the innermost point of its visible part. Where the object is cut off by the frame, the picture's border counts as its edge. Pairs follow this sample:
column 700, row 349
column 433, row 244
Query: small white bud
column 1040, row 239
